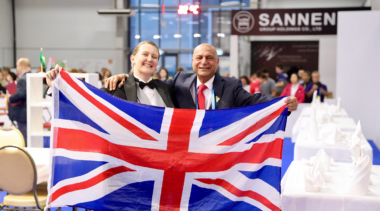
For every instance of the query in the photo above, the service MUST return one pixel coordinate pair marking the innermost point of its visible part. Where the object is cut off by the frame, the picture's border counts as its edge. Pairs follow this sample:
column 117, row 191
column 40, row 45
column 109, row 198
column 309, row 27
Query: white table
column 306, row 148
column 332, row 196
column 41, row 157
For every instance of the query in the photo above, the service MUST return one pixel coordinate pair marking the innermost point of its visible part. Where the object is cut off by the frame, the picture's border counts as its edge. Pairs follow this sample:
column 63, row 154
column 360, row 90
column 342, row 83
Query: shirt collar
column 143, row 80
column 209, row 83
column 28, row 71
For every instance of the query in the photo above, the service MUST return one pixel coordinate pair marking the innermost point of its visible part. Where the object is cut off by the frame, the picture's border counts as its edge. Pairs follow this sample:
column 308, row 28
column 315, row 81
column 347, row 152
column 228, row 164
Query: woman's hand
column 111, row 82
column 52, row 74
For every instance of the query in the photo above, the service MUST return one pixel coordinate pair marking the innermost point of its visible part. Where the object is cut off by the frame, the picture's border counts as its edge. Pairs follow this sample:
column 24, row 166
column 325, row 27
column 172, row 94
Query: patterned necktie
column 201, row 97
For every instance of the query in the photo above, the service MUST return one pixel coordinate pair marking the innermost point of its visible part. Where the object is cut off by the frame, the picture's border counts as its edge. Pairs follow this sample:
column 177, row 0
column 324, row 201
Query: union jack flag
column 109, row 154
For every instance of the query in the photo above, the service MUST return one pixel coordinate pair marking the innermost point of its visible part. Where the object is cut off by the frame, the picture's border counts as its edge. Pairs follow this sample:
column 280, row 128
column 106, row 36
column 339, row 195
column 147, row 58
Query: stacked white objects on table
column 334, row 194
column 41, row 157
column 336, row 143
column 324, row 112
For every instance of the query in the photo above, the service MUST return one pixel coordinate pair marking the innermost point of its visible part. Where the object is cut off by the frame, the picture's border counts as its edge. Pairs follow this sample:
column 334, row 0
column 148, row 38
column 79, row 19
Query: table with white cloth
column 41, row 157
column 305, row 148
column 341, row 119
column 332, row 196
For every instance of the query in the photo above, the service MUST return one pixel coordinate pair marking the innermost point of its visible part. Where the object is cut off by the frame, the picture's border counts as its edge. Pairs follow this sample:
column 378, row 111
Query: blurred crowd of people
column 301, row 84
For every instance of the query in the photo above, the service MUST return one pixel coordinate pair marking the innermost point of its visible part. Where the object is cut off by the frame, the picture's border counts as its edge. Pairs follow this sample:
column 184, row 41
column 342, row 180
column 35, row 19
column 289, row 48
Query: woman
column 294, row 89
column 3, row 84
column 11, row 77
column 246, row 83
column 163, row 74
column 3, row 81
column 140, row 87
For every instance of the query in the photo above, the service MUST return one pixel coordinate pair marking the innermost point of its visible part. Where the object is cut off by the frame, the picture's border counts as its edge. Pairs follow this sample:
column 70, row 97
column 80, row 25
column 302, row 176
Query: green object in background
column 42, row 59
column 61, row 64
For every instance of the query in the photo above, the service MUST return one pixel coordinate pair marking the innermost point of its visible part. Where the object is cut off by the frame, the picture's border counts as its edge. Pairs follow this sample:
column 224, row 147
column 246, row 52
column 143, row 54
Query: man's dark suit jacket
column 17, row 112
column 129, row 91
column 229, row 91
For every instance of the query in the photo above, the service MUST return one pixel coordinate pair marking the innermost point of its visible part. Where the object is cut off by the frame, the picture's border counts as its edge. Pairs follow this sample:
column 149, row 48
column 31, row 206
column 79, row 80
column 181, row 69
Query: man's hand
column 315, row 87
column 52, row 74
column 292, row 103
column 111, row 82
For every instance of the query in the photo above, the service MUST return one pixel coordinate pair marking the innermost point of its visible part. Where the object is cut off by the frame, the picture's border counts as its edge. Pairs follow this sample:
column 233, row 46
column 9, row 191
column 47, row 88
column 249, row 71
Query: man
column 316, row 85
column 196, row 90
column 306, row 77
column 282, row 79
column 267, row 84
column 300, row 73
column 17, row 101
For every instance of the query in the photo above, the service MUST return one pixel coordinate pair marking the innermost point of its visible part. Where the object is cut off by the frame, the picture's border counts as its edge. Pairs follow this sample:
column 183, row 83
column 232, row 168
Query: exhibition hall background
column 73, row 32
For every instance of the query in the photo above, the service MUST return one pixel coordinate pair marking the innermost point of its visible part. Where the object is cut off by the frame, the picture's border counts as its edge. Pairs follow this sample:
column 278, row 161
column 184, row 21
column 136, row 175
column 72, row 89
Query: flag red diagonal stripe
column 253, row 128
column 239, row 193
column 129, row 126
column 91, row 182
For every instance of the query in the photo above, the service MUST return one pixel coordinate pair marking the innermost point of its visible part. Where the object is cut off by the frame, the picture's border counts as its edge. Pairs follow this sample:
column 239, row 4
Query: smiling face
column 205, row 62
column 294, row 78
column 145, row 61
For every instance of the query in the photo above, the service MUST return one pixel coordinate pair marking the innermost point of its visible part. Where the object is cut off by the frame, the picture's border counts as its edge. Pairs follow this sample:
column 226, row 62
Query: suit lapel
column 218, row 86
column 130, row 89
column 187, row 85
column 164, row 93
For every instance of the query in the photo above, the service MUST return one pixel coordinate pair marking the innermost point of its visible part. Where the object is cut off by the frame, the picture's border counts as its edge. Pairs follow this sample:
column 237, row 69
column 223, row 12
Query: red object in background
column 184, row 9
column 12, row 88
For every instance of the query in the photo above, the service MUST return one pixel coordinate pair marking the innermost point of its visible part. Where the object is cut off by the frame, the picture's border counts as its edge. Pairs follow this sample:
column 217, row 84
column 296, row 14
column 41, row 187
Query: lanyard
column 196, row 97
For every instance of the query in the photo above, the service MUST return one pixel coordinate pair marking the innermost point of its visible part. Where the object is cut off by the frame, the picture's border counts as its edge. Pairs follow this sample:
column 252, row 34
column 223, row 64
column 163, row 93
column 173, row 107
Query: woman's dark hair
column 246, row 79
column 298, row 78
column 13, row 75
column 164, row 69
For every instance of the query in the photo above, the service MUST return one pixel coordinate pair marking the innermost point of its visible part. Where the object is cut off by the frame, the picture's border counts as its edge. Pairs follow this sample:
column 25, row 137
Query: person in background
column 226, row 74
column 300, row 74
column 106, row 74
column 11, row 77
column 306, row 77
column 255, row 83
column 40, row 70
column 180, row 69
column 163, row 74
column 6, row 71
column 294, row 89
column 267, row 86
column 3, row 84
column 3, row 80
column 245, row 81
column 282, row 79
column 17, row 101
column 316, row 85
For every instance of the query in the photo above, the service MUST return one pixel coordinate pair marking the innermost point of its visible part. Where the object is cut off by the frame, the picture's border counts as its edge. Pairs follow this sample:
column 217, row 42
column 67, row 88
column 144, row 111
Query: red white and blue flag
column 109, row 154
